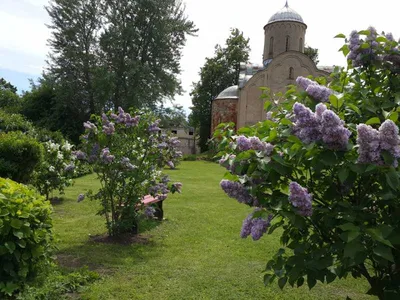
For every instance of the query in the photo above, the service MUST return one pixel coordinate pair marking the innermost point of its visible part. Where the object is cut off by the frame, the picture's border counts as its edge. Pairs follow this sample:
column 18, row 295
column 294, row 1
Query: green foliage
column 217, row 74
column 354, row 226
column 190, row 157
column 13, row 122
column 312, row 53
column 57, row 284
column 172, row 117
column 25, row 235
column 9, row 100
column 19, row 156
column 128, row 157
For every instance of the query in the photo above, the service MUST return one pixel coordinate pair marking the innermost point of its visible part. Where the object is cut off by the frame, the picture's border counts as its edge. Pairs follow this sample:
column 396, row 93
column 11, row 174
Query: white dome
column 231, row 92
column 286, row 14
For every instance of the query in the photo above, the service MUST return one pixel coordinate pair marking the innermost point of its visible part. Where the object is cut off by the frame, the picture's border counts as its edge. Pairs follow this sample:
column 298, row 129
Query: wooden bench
column 148, row 200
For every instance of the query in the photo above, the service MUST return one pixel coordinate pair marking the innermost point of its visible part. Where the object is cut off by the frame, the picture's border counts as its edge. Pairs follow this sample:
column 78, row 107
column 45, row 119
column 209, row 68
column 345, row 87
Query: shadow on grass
column 105, row 254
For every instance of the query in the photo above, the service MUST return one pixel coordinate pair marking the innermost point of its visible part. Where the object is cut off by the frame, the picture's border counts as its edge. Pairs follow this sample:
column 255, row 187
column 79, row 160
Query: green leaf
column 374, row 120
column 2, row 196
column 18, row 234
column 268, row 278
column 354, row 108
column 340, row 36
column 300, row 282
column 394, row 116
column 10, row 246
column 349, row 227
column 392, row 179
column 328, row 158
column 377, row 235
column 285, row 121
column 311, row 281
column 343, row 174
column 384, row 252
column 365, row 45
column 349, row 236
column 267, row 105
column 381, row 39
column 17, row 224
column 335, row 101
column 282, row 282
column 352, row 248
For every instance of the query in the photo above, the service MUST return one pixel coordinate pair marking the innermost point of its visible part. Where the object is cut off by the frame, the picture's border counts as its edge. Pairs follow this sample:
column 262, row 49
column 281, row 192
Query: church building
column 283, row 61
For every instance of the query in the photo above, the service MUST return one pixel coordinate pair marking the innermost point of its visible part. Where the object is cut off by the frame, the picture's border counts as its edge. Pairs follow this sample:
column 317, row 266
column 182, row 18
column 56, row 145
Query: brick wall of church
column 223, row 111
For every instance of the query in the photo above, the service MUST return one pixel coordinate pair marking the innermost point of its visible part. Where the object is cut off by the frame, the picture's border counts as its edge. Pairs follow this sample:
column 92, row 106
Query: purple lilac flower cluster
column 323, row 125
column 126, row 163
column 255, row 227
column 125, row 118
column 160, row 189
column 79, row 154
column 239, row 192
column 372, row 142
column 301, row 199
column 315, row 90
column 108, row 127
column 178, row 187
column 149, row 211
column 90, row 126
column 254, row 143
column 357, row 54
column 81, row 197
column 106, row 156
column 154, row 126
column 69, row 168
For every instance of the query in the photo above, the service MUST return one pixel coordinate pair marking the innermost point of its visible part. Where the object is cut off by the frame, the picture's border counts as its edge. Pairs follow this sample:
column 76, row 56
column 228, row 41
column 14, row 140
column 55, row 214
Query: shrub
column 324, row 167
column 56, row 170
column 19, row 155
column 56, row 284
column 25, row 235
column 128, row 154
column 190, row 157
column 13, row 122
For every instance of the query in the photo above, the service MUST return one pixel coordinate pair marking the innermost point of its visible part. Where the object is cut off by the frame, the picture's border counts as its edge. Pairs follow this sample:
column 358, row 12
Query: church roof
column 231, row 92
column 286, row 14
column 247, row 71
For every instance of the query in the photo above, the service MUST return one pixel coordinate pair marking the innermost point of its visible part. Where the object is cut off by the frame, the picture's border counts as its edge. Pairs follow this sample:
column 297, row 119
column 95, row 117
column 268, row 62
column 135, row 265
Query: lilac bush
column 127, row 152
column 56, row 170
column 330, row 177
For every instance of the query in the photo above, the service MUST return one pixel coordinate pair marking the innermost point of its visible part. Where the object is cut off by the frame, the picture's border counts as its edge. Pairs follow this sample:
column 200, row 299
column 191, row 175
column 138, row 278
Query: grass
column 196, row 253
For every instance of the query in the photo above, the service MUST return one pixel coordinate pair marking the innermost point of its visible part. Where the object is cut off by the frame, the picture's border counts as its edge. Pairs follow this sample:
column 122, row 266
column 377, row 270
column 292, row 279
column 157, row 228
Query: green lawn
column 196, row 253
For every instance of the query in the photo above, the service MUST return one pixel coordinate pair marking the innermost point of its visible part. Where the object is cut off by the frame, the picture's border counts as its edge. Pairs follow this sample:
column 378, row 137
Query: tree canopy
column 218, row 73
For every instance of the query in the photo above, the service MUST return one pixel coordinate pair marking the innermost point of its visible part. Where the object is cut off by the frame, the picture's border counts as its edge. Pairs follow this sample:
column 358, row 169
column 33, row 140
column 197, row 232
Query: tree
column 312, row 53
column 73, row 61
column 5, row 85
column 172, row 116
column 10, row 101
column 217, row 74
column 141, row 50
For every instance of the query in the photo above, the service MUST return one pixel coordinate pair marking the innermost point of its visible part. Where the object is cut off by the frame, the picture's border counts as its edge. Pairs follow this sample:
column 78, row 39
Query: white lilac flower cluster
column 315, row 90
column 323, row 125
column 372, row 142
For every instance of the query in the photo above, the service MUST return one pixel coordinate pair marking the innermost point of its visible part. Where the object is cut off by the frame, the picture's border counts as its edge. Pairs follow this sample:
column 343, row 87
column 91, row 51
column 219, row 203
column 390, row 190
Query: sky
column 24, row 35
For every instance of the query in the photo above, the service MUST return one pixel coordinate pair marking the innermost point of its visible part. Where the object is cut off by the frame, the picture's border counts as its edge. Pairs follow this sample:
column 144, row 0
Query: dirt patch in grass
column 71, row 262
column 56, row 200
column 123, row 239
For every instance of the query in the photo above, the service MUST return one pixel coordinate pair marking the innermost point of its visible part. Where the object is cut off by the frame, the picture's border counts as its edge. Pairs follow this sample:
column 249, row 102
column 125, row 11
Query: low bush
column 13, row 122
column 19, row 155
column 189, row 157
column 58, row 284
column 25, row 235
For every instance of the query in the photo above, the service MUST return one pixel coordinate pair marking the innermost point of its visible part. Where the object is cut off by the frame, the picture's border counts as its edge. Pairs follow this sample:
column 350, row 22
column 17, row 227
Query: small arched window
column 301, row 45
column 291, row 71
column 287, row 43
column 271, row 45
